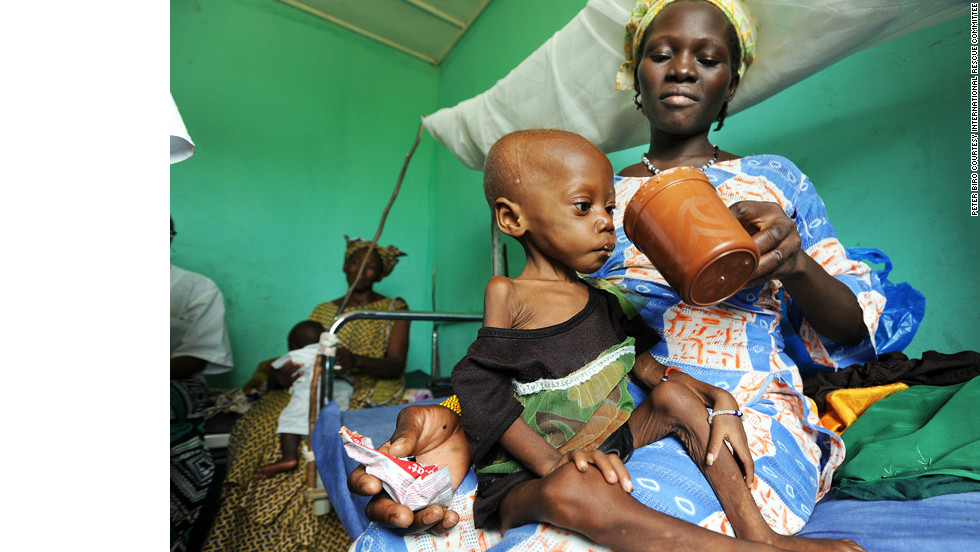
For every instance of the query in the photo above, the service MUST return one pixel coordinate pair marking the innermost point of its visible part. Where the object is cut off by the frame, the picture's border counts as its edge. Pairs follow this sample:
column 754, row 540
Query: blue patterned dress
column 736, row 345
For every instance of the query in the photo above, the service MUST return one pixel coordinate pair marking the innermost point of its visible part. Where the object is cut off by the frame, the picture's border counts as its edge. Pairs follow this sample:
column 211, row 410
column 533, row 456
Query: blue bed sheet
column 945, row 523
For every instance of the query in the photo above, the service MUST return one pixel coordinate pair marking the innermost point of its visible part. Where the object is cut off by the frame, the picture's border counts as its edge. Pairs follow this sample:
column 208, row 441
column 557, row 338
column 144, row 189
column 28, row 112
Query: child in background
column 294, row 421
column 545, row 383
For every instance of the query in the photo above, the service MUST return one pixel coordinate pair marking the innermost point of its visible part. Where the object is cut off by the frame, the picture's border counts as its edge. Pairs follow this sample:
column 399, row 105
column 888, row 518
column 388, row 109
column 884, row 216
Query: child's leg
column 289, row 442
column 603, row 512
column 673, row 409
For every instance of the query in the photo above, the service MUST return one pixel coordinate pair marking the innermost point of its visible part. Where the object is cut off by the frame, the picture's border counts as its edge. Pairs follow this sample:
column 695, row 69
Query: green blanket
column 920, row 442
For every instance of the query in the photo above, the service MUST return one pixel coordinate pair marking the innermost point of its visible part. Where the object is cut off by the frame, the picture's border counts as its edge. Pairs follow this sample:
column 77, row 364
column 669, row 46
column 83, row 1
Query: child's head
column 553, row 191
column 305, row 333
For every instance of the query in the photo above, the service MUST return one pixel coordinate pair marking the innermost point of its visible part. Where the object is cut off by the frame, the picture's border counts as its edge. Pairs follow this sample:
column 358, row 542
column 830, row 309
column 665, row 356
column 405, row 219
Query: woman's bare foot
column 277, row 467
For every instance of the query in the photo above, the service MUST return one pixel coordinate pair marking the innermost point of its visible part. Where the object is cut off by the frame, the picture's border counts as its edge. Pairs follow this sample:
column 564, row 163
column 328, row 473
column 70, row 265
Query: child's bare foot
column 277, row 467
column 803, row 544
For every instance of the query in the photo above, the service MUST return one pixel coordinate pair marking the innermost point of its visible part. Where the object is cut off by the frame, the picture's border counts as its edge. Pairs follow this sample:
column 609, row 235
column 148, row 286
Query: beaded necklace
column 655, row 171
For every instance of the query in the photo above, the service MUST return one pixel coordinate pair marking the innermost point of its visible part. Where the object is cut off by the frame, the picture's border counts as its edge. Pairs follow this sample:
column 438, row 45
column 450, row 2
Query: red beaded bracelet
column 667, row 371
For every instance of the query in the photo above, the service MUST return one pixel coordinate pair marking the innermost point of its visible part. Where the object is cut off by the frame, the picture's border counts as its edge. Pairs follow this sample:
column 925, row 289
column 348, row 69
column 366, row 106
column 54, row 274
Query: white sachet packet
column 410, row 483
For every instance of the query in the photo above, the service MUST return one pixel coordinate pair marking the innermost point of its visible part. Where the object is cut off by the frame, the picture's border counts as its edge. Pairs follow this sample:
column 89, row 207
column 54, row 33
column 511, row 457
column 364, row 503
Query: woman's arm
column 432, row 434
column 393, row 363
column 826, row 302
column 285, row 376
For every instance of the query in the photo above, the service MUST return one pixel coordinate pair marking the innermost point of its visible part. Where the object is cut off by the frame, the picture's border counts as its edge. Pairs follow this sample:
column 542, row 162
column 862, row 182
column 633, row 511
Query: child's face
column 684, row 73
column 569, row 208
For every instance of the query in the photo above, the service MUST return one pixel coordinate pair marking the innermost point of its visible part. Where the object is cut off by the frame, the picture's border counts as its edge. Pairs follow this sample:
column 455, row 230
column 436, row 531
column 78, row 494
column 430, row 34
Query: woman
column 259, row 513
column 373, row 352
column 684, row 61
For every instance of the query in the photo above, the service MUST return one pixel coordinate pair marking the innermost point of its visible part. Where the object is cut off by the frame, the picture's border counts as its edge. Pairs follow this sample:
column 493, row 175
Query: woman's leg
column 673, row 409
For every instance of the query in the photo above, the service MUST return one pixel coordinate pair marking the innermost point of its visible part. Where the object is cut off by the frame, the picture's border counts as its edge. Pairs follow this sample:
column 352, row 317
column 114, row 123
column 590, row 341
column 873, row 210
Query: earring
column 636, row 100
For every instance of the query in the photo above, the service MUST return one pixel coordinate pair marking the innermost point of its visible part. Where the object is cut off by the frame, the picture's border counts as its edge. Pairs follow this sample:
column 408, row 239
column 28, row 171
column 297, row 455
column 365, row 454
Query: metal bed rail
column 326, row 389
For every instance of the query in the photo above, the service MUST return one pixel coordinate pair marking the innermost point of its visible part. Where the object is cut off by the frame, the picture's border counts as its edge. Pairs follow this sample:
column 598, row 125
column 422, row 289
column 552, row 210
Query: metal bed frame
column 326, row 385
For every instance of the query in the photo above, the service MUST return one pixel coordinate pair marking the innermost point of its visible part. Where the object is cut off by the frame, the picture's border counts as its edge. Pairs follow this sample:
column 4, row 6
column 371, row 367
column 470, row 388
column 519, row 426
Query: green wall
column 302, row 127
column 301, row 130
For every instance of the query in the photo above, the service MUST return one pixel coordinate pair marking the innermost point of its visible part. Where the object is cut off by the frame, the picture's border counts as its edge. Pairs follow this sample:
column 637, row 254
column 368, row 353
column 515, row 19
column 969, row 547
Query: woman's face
column 372, row 270
column 684, row 75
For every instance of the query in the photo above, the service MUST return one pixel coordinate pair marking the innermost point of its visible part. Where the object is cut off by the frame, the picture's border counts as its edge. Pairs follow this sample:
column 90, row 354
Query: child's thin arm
column 648, row 370
column 541, row 458
column 530, row 449
column 497, row 299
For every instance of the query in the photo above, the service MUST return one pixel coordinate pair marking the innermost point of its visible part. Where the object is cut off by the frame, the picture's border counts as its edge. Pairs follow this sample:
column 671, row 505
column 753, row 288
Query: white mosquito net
column 569, row 82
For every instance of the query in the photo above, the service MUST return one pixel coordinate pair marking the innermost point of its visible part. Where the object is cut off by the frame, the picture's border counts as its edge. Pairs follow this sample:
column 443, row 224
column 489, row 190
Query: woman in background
column 270, row 513
column 372, row 352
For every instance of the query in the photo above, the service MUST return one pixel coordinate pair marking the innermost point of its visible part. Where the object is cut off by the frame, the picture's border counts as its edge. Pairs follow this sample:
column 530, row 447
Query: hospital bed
column 944, row 523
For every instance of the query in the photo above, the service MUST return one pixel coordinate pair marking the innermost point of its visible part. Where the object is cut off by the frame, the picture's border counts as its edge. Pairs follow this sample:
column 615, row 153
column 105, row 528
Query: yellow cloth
column 258, row 515
column 367, row 338
column 845, row 405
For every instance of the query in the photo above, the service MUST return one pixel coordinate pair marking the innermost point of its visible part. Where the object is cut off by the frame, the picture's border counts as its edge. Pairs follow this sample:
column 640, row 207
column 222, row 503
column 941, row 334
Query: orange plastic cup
column 681, row 224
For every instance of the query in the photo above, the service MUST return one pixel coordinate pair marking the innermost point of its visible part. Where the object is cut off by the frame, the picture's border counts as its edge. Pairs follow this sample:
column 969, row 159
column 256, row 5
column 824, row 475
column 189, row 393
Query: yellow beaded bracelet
column 452, row 403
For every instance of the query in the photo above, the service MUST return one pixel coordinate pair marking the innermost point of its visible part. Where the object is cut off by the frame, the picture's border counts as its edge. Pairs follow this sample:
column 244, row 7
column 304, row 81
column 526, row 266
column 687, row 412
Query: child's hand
column 728, row 428
column 611, row 466
column 287, row 374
